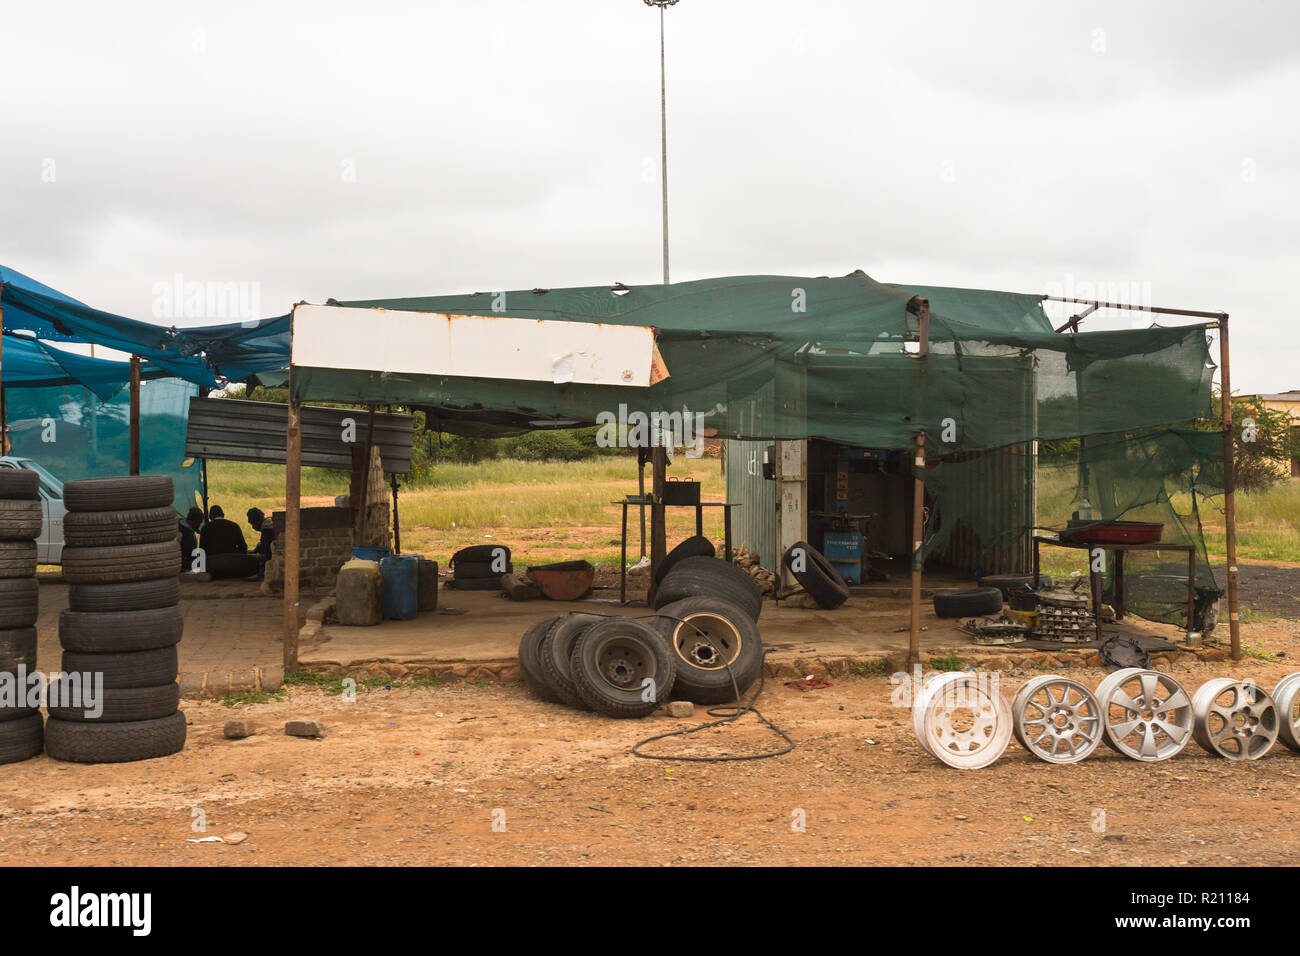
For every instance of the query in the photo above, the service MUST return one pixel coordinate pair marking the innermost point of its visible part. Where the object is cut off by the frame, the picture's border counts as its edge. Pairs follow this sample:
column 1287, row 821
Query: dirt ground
column 421, row 775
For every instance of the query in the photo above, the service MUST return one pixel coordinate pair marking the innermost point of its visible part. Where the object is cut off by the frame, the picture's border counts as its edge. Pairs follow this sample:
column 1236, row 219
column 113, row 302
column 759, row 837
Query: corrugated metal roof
column 237, row 430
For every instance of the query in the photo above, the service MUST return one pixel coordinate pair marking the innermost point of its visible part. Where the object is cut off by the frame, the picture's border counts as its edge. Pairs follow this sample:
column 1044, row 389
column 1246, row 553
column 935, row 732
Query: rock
column 304, row 728
column 680, row 708
column 234, row 838
column 238, row 729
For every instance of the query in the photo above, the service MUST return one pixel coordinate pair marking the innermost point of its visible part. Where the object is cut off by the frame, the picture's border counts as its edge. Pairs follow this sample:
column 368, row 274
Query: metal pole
column 1229, row 493
column 658, row 530
column 663, row 135
column 135, row 414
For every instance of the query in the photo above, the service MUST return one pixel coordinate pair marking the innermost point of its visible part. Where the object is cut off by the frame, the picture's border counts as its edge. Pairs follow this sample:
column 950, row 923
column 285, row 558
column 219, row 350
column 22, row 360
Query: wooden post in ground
column 921, row 307
column 658, row 529
column 1229, row 493
column 397, row 530
column 292, row 529
column 135, row 414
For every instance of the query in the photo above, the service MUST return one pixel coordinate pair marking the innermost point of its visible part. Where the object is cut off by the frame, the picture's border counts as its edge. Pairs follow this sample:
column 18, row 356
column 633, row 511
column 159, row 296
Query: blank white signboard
column 432, row 343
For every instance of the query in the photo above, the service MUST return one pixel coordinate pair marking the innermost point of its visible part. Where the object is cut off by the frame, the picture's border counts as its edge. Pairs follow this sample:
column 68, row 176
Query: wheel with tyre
column 17, row 647
column 816, row 575
column 94, row 529
column 530, row 659
column 121, row 564
column 18, row 602
column 128, row 669
column 20, row 519
column 480, row 554
column 21, row 739
column 713, row 643
column 19, row 483
column 127, row 596
column 1010, row 584
column 100, row 632
column 477, row 570
column 696, row 546
column 967, row 602
column 621, row 668
column 17, row 559
column 115, row 705
column 709, row 577
column 556, row 653
column 126, row 493
column 95, row 742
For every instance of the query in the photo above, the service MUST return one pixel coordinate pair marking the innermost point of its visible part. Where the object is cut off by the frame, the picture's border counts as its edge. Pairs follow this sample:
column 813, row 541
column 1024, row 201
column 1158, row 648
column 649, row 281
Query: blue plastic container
column 842, row 546
column 371, row 552
column 401, row 574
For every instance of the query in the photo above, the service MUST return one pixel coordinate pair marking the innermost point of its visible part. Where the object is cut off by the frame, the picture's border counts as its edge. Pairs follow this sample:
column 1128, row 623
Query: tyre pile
column 700, row 644
column 1146, row 715
column 21, row 728
column 121, row 560
column 480, row 567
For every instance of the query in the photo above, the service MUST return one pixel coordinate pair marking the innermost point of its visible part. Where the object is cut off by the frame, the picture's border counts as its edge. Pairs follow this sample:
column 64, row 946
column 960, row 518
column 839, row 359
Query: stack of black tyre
column 701, row 644
column 122, row 562
column 480, row 567
column 21, row 728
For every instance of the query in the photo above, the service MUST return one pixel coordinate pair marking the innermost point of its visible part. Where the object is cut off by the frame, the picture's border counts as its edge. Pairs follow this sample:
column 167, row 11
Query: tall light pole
column 663, row 122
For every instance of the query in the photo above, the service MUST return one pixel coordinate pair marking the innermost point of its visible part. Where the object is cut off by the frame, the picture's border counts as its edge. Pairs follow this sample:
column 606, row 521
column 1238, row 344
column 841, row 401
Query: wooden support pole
column 135, row 414
column 1229, row 493
column 921, row 308
column 658, row 529
column 397, row 529
column 292, row 529
column 363, row 511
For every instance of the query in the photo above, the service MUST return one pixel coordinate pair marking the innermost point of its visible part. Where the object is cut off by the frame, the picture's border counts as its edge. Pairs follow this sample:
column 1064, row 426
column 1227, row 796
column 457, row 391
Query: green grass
column 1258, row 653
column 950, row 663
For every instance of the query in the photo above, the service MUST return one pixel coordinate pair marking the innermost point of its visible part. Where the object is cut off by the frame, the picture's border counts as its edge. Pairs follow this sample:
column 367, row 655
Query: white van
column 49, row 547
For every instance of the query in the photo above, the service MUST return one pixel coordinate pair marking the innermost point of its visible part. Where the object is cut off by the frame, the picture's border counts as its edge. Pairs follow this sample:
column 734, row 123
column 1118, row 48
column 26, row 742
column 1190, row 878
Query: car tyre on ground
column 697, row 546
column 19, row 483
column 530, row 659
column 134, row 493
column 20, row 519
column 17, row 559
column 556, row 655
column 730, row 647
column 122, row 564
column 611, row 662
column 967, row 602
column 95, row 742
column 709, row 577
column 91, row 529
column 120, row 704
column 21, row 739
column 98, row 632
column 127, row 596
column 18, row 602
column 150, row 668
column 816, row 575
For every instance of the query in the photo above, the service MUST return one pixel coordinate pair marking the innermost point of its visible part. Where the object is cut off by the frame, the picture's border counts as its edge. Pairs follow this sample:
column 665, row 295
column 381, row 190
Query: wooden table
column 1119, row 550
column 699, row 530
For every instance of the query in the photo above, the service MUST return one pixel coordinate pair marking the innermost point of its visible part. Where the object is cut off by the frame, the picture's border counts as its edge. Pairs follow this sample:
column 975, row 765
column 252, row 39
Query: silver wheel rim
column 1235, row 719
column 918, row 707
column 1286, row 695
column 1056, row 719
column 964, row 722
column 1147, row 715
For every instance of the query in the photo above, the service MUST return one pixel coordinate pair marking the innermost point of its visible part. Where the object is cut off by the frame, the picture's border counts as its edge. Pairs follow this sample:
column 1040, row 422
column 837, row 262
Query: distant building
column 1288, row 402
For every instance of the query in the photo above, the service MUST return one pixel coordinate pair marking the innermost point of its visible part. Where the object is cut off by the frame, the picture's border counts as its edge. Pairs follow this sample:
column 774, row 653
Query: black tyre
column 816, row 575
column 16, row 713
column 709, row 577
column 19, row 599
column 21, row 739
column 19, row 483
column 556, row 654
column 967, row 602
column 476, row 570
column 118, row 704
column 480, row 554
column 17, row 646
column 476, row 584
column 97, row 529
column 697, row 546
column 131, row 596
column 17, row 559
column 128, row 669
column 129, row 562
column 530, row 660
column 729, row 647
column 119, row 494
column 612, row 660
column 99, row 632
column 94, row 742
column 1010, row 584
column 20, row 519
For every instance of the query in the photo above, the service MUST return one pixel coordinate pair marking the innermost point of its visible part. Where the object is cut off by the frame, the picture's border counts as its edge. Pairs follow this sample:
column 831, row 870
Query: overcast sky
column 1149, row 150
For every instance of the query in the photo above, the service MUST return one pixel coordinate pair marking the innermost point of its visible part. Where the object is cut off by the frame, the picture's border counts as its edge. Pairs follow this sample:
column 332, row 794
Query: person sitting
column 259, row 522
column 225, row 551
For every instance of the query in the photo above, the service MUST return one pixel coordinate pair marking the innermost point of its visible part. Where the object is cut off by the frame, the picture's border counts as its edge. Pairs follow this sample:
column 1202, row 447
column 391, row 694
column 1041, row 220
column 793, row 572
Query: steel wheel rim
column 1241, row 727
column 918, row 704
column 715, row 649
column 1056, row 719
column 1286, row 695
column 623, row 662
column 1147, row 714
column 964, row 723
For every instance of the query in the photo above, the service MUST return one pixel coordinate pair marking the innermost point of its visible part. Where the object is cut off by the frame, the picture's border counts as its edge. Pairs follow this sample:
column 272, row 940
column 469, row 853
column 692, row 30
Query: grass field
column 559, row 510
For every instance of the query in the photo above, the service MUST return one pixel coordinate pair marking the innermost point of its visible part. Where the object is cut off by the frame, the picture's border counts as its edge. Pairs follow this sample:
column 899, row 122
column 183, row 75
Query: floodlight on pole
column 663, row 122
